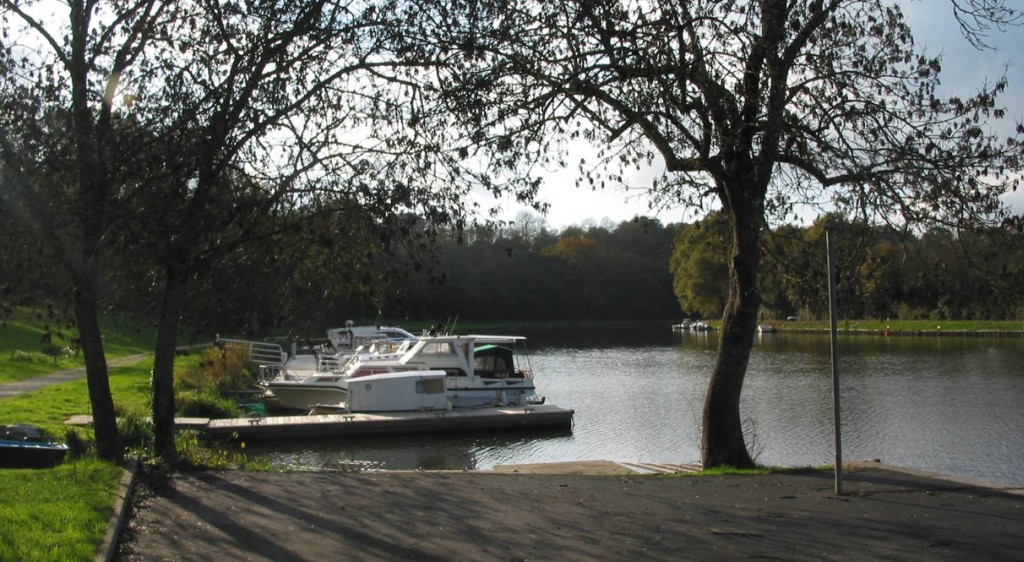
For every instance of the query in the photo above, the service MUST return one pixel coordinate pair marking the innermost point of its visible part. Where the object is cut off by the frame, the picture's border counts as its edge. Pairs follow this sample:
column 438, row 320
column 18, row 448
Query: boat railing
column 267, row 357
column 330, row 363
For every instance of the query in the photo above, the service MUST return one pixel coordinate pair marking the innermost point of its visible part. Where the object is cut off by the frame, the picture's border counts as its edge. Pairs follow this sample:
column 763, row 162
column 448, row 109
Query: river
column 948, row 405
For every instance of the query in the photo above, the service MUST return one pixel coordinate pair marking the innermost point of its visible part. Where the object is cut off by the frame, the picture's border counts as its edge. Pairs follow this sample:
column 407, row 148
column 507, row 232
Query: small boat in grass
column 27, row 446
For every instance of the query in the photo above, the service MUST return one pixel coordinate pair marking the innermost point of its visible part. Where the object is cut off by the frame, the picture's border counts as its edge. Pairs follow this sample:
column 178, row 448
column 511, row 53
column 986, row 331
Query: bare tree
column 977, row 19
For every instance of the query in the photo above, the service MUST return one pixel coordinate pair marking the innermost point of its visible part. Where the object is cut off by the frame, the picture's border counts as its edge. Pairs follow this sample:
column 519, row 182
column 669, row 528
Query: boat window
column 438, row 348
column 430, row 386
column 493, row 361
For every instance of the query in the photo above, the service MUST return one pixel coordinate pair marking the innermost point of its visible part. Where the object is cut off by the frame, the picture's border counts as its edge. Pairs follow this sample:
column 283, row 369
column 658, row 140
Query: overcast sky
column 964, row 68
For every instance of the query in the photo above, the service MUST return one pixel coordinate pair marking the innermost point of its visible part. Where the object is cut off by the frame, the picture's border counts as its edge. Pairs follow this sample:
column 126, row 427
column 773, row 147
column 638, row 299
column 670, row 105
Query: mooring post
column 836, row 420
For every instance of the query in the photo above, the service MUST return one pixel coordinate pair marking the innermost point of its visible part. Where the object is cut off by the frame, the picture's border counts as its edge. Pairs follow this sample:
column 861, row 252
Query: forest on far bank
column 642, row 269
column 524, row 271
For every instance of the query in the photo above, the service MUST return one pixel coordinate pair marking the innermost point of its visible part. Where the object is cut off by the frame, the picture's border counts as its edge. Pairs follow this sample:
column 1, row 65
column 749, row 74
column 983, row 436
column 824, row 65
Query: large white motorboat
column 477, row 371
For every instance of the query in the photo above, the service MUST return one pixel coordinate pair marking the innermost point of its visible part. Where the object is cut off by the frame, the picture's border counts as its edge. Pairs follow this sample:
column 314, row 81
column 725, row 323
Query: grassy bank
column 61, row 513
column 73, row 502
column 51, row 406
column 901, row 326
column 24, row 353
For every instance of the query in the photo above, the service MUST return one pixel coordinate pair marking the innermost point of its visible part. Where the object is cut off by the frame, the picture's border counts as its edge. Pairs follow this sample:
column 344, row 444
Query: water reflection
column 943, row 404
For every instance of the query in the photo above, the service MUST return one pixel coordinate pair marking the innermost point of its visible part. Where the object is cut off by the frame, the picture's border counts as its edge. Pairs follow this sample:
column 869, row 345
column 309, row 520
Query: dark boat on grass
column 27, row 446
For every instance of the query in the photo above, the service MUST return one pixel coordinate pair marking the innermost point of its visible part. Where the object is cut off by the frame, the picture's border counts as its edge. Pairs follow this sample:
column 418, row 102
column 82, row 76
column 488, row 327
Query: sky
column 964, row 69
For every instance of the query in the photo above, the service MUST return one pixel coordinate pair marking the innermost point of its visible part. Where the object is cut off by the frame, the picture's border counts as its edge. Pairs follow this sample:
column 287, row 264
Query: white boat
column 350, row 338
column 329, row 355
column 691, row 326
column 406, row 391
column 300, row 393
column 478, row 371
column 321, row 383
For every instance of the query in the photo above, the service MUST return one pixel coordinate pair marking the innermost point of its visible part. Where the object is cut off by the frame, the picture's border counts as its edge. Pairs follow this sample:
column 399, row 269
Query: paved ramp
column 660, row 468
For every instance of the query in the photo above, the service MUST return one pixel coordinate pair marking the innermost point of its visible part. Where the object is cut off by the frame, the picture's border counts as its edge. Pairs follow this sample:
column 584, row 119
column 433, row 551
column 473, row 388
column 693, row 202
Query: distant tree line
column 520, row 271
column 609, row 272
column 329, row 271
column 882, row 272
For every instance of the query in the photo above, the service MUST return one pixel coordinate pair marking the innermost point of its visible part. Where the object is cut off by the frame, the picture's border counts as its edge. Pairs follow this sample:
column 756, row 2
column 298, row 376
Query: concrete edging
column 115, row 524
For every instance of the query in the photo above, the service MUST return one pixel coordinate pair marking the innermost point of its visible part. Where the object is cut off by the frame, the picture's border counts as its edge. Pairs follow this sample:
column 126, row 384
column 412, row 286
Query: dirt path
column 58, row 377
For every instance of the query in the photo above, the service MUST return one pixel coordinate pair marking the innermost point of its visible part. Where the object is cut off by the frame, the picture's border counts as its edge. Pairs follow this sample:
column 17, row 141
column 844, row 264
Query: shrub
column 136, row 434
column 197, row 452
column 219, row 370
column 205, row 404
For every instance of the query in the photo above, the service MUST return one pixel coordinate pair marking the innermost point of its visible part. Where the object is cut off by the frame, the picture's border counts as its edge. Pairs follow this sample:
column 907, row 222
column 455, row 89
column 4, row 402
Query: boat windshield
column 438, row 348
column 493, row 361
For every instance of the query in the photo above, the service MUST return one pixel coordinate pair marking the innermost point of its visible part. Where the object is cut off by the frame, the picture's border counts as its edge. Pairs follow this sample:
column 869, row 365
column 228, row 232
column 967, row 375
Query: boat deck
column 384, row 423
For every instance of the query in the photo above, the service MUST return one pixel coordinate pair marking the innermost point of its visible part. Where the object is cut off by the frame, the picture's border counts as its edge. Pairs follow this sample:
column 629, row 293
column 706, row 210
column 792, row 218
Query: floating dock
column 354, row 424
column 393, row 423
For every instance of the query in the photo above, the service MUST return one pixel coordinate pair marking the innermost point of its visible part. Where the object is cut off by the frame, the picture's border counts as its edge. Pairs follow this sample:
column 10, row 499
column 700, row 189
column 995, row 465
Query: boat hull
column 31, row 454
column 295, row 395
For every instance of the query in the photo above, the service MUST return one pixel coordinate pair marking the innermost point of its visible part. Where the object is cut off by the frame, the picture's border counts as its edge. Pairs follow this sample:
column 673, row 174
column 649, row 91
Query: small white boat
column 688, row 325
column 350, row 338
column 478, row 371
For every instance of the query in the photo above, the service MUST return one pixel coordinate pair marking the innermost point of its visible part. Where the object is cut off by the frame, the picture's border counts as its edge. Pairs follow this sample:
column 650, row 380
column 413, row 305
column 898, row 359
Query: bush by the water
column 194, row 403
column 219, row 370
column 203, row 388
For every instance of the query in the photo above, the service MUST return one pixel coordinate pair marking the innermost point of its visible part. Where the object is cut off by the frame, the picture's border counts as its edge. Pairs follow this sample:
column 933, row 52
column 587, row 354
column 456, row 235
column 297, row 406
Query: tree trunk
column 163, row 362
column 104, row 420
column 722, row 441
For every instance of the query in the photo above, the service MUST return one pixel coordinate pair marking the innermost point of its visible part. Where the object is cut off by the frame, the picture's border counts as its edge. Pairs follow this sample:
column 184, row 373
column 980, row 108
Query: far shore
column 919, row 328
column 919, row 333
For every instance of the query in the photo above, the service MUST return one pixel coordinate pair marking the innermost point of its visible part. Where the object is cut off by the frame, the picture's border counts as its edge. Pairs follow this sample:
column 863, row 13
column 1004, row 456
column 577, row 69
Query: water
column 948, row 405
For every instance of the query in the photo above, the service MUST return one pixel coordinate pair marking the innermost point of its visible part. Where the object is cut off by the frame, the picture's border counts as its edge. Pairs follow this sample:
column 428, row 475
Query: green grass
column 897, row 325
column 59, row 513
column 929, row 325
column 24, row 355
column 730, row 471
column 51, row 406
